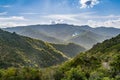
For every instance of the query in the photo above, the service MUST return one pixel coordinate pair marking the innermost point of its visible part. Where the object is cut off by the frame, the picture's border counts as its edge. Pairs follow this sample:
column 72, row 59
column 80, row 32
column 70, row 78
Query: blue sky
column 78, row 12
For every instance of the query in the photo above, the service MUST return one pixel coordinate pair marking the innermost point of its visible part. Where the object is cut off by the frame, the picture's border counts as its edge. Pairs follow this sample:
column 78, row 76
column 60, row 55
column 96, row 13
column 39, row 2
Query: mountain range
column 85, row 35
column 101, row 62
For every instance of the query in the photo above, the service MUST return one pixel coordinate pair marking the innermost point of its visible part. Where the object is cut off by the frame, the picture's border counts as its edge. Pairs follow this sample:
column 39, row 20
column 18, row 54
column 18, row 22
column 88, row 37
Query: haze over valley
column 85, row 35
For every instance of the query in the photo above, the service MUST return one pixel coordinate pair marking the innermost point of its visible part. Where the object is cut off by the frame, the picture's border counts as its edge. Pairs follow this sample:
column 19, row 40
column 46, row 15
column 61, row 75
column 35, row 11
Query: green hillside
column 70, row 49
column 102, row 62
column 20, row 51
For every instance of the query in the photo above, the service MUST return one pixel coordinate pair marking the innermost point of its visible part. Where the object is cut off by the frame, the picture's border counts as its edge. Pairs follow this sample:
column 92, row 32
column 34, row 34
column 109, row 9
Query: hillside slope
column 87, row 39
column 70, row 49
column 19, row 51
column 34, row 32
column 102, row 62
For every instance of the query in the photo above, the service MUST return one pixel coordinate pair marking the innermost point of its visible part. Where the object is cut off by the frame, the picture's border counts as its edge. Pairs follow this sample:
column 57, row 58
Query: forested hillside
column 20, row 51
column 102, row 62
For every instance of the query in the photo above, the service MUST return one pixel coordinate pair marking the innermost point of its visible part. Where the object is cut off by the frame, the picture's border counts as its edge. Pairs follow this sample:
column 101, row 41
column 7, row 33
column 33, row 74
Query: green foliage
column 74, row 74
column 102, row 62
column 116, row 63
column 20, row 74
column 20, row 51
column 107, row 46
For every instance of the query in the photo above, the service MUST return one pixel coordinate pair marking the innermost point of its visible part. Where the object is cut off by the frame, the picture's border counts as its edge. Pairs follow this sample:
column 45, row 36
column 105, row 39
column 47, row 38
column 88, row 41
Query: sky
column 95, row 13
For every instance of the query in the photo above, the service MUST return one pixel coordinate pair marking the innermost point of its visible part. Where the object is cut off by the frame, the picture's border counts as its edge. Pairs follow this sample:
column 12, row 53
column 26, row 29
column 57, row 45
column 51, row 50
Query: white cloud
column 12, row 21
column 12, row 18
column 5, row 6
column 66, row 17
column 60, row 16
column 106, row 23
column 56, row 21
column 3, row 13
column 10, row 24
column 88, row 3
column 102, row 17
column 88, row 18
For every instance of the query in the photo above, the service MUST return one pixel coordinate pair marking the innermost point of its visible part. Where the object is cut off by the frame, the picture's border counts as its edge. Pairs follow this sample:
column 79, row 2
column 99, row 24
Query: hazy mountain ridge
column 70, row 49
column 107, row 31
column 64, row 33
column 87, row 39
column 34, row 33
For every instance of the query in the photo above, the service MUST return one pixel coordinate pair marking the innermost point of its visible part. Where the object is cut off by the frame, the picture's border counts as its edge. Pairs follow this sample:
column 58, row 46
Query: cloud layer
column 12, row 21
column 88, row 3
column 88, row 18
column 12, row 18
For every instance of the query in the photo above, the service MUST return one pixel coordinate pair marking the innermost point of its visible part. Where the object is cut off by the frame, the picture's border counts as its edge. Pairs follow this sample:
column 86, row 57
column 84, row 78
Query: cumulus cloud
column 88, row 3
